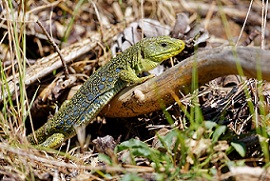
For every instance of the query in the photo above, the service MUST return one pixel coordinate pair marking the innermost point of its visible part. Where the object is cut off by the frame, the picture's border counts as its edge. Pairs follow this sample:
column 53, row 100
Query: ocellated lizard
column 103, row 85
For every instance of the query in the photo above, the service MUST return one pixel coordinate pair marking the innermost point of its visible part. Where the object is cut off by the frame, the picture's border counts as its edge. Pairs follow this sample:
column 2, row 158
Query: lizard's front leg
column 130, row 76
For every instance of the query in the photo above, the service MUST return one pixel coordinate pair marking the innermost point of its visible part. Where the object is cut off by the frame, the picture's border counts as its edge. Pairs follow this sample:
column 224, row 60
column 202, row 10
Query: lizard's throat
column 147, row 65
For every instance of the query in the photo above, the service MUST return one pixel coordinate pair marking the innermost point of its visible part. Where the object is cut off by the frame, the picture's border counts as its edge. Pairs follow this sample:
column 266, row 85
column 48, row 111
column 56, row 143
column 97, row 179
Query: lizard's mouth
column 166, row 55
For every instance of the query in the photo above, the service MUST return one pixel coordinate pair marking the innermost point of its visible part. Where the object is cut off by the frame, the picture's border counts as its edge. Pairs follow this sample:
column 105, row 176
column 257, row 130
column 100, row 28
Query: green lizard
column 103, row 85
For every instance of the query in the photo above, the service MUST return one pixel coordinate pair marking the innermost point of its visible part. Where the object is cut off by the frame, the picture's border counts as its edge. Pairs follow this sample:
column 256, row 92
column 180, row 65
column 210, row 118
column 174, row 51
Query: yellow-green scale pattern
column 103, row 85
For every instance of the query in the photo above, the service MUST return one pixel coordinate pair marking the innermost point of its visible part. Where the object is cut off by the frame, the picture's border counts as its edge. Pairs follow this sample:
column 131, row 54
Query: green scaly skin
column 103, row 85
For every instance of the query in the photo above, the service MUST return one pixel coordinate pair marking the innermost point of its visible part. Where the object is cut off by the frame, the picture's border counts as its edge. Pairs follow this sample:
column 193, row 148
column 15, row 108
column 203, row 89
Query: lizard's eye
column 163, row 44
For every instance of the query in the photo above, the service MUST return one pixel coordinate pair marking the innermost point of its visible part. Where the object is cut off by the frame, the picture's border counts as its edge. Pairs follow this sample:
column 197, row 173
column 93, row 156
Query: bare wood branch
column 211, row 64
column 46, row 65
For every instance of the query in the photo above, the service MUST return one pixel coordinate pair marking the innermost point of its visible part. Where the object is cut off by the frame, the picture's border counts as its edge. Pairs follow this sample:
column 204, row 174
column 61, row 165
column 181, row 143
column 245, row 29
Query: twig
column 56, row 48
column 250, row 38
column 99, row 20
column 244, row 24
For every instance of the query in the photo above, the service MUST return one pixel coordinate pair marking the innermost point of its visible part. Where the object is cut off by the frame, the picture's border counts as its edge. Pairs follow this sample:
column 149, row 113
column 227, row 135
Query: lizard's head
column 157, row 49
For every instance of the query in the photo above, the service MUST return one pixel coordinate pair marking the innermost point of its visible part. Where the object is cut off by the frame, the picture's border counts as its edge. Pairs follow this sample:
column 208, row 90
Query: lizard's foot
column 53, row 141
column 132, row 79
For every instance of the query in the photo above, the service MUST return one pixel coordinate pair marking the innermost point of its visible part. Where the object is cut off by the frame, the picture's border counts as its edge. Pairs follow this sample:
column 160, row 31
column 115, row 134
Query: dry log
column 213, row 63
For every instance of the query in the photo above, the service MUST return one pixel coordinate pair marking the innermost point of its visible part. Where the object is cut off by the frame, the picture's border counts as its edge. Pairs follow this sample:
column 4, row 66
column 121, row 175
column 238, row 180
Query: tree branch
column 213, row 63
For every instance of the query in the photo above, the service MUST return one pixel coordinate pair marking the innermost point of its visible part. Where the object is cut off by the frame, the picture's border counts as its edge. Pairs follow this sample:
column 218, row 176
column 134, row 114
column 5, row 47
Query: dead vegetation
column 189, row 144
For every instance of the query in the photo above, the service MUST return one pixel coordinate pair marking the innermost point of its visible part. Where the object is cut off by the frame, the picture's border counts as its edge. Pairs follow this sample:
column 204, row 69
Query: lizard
column 102, row 86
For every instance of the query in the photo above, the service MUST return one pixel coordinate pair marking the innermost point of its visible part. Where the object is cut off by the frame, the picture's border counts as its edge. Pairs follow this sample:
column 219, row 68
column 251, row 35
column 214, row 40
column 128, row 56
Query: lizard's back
column 93, row 95
column 103, row 85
